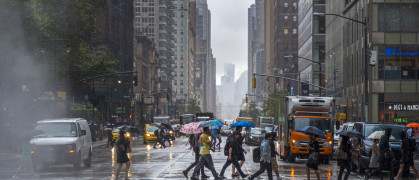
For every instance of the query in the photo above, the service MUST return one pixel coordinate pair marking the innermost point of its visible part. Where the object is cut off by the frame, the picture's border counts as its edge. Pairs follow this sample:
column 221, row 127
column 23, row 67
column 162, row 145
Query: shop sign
column 400, row 120
column 404, row 107
column 398, row 52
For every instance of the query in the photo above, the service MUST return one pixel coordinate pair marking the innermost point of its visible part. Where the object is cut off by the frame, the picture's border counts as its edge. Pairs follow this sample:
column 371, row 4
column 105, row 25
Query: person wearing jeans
column 265, row 158
column 196, row 146
column 233, row 154
column 205, row 154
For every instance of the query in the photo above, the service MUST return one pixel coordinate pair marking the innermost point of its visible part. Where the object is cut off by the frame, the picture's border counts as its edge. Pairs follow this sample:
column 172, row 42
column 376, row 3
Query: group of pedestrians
column 204, row 143
column 163, row 135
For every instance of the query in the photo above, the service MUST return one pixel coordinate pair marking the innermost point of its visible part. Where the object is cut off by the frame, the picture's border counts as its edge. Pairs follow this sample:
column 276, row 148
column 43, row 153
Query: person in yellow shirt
column 205, row 154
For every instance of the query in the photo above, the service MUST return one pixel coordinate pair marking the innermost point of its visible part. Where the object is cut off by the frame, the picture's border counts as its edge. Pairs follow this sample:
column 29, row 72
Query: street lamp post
column 317, row 62
column 364, row 23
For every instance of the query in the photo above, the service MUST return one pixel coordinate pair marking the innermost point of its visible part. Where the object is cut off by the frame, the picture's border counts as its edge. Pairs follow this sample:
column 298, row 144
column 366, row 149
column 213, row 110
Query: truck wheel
column 88, row 161
column 77, row 161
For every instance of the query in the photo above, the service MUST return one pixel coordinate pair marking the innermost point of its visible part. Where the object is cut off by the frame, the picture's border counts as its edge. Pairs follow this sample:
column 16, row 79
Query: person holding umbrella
column 122, row 146
column 386, row 155
column 312, row 163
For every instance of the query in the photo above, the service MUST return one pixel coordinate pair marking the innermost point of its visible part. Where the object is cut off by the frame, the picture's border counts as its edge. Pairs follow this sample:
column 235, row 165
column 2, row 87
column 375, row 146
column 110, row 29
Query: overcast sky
column 229, row 34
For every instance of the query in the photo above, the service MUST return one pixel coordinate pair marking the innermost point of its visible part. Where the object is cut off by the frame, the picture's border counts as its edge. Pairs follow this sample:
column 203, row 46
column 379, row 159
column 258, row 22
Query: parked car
column 64, row 141
column 362, row 148
column 149, row 135
column 255, row 136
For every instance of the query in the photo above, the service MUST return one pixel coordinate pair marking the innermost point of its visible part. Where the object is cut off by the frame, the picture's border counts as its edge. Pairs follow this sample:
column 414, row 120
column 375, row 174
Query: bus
column 204, row 117
column 187, row 118
column 162, row 119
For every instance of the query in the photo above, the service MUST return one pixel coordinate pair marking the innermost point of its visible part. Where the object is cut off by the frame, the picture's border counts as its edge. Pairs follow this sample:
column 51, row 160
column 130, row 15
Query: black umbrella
column 168, row 126
column 128, row 128
column 352, row 134
column 31, row 134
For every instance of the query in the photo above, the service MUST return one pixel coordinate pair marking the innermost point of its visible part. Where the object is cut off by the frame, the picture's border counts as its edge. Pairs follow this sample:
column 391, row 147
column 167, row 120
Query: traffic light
column 168, row 96
column 250, row 108
column 254, row 82
column 246, row 99
column 132, row 103
column 130, row 116
column 134, row 80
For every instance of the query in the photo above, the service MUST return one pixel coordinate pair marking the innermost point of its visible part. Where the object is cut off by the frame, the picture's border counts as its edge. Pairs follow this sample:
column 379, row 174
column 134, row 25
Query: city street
column 149, row 163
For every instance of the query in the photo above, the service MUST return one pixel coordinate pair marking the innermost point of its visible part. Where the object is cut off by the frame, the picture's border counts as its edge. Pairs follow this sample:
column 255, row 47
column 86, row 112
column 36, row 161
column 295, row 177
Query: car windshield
column 269, row 128
column 151, row 128
column 116, row 130
column 257, row 132
column 369, row 129
column 59, row 129
column 321, row 123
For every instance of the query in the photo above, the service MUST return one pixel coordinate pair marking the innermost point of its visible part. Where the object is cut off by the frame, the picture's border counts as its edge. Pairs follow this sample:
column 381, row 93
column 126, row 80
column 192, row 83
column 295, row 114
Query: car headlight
column 147, row 134
column 296, row 143
column 327, row 144
column 171, row 132
column 127, row 135
column 71, row 148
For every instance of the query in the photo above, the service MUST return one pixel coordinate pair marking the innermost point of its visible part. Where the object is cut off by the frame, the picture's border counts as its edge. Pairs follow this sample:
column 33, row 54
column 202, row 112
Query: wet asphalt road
column 168, row 163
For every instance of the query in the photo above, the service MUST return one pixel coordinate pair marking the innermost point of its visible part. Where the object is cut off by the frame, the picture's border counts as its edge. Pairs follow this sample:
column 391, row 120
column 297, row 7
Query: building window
column 285, row 5
column 175, row 82
column 175, row 23
column 286, row 18
column 294, row 18
column 175, row 39
column 181, row 40
column 285, row 31
column 181, row 14
column 175, row 49
column 181, row 65
column 175, row 14
column 181, row 90
column 181, row 23
column 294, row 5
column 175, row 31
column 181, row 6
column 175, row 65
column 175, row 57
column 181, row 31
column 294, row 31
column 181, row 48
column 175, row 73
column 175, row 5
column 181, row 82
column 181, row 73
column 181, row 57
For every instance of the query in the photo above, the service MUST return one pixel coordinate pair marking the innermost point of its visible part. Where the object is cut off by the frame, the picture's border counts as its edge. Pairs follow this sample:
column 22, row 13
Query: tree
column 271, row 107
column 194, row 107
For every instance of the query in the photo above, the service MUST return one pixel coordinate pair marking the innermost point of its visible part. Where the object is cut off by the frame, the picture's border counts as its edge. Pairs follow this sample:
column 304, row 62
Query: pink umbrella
column 192, row 128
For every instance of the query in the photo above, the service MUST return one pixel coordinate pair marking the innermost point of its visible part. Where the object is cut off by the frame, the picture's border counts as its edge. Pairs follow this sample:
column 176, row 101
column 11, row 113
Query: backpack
column 256, row 155
column 191, row 140
column 227, row 145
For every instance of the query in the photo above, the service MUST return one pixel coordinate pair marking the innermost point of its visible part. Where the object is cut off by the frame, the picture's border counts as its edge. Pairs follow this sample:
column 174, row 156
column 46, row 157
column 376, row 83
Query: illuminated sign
column 400, row 120
column 403, row 107
column 398, row 52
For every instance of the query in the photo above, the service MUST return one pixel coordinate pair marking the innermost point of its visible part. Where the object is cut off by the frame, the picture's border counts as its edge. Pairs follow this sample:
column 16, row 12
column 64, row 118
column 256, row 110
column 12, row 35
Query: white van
column 64, row 141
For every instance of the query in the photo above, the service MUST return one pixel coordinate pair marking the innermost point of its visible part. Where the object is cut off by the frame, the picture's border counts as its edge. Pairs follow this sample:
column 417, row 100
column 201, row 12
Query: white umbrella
column 378, row 134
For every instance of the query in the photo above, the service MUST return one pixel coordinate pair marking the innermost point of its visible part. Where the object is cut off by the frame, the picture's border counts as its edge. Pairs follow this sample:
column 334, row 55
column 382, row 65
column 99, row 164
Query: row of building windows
column 181, row 83
column 181, row 23
column 181, row 6
column 294, row 18
column 144, row 19
column 181, row 49
column 181, row 57
column 175, row 14
column 180, row 31
column 294, row 5
column 180, row 65
column 180, row 73
column 294, row 31
column 181, row 40
column 398, row 17
column 144, row 9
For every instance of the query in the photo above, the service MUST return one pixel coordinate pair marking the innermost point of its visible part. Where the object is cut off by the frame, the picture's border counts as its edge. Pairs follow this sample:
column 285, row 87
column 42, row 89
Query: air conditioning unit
column 373, row 58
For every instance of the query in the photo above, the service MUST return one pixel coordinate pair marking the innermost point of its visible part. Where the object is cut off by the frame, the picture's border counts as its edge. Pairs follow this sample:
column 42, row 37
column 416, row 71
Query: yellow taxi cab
column 115, row 134
column 149, row 135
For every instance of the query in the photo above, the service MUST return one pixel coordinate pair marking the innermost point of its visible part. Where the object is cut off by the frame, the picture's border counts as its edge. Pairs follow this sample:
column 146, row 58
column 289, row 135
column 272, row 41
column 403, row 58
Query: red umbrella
column 192, row 128
column 413, row 125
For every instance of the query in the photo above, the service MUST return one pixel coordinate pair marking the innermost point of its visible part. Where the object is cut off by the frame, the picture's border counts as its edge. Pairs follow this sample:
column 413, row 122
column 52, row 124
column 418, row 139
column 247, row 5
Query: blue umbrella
column 312, row 130
column 212, row 124
column 243, row 124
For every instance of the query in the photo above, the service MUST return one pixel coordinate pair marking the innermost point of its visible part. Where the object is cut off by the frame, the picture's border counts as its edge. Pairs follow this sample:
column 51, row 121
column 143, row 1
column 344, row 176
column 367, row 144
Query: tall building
column 155, row 20
column 392, row 86
column 251, row 27
column 285, row 44
column 257, row 49
column 228, row 91
column 311, row 43
column 269, row 45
